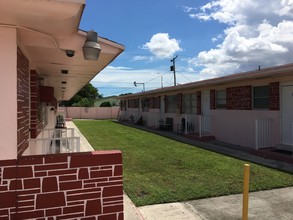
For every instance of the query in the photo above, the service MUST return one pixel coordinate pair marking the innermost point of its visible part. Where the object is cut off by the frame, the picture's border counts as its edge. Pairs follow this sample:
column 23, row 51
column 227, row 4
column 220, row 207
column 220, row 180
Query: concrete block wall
column 65, row 186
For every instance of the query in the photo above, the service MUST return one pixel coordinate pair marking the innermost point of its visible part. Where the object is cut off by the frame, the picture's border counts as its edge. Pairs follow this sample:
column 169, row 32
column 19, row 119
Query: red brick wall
column 239, row 98
column 22, row 102
column 179, row 103
column 151, row 102
column 133, row 103
column 274, row 100
column 35, row 102
column 64, row 186
column 166, row 103
column 198, row 102
column 213, row 99
column 157, row 102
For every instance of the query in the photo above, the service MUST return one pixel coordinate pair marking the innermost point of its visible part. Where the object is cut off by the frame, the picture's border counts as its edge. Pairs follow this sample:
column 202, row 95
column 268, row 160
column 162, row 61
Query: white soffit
column 58, row 20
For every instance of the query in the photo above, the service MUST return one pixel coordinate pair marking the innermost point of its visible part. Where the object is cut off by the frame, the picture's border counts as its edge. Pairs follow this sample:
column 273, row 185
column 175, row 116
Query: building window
column 145, row 104
column 189, row 104
column 261, row 97
column 172, row 104
column 221, row 99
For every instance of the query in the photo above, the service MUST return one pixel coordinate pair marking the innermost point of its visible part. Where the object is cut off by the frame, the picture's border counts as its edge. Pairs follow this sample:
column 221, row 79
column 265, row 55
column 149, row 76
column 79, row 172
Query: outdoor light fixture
column 70, row 53
column 91, row 48
column 136, row 83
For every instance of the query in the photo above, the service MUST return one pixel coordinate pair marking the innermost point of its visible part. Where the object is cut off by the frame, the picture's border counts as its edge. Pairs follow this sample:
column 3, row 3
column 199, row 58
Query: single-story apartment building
column 45, row 58
column 251, row 109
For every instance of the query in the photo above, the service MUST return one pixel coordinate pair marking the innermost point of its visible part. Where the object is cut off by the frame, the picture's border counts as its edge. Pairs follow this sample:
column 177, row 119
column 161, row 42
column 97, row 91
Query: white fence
column 186, row 126
column 153, row 119
column 54, row 141
column 263, row 133
column 204, row 125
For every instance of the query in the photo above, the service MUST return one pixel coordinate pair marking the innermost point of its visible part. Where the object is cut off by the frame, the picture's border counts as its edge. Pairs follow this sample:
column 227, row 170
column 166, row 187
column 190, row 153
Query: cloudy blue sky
column 211, row 38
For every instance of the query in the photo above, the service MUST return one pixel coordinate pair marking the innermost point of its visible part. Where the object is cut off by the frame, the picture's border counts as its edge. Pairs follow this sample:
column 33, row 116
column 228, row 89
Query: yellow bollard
column 245, row 192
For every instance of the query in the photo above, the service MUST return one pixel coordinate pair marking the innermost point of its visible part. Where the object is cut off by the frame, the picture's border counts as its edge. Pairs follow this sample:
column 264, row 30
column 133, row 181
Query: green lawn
column 160, row 170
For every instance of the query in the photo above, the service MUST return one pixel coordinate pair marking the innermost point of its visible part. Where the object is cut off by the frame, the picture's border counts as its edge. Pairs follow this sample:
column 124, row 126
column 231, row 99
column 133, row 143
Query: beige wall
column 8, row 94
column 238, row 127
column 90, row 113
column 232, row 126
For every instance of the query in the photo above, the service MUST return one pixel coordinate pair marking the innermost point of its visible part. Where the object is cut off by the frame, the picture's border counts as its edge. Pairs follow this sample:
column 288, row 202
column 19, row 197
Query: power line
column 185, row 77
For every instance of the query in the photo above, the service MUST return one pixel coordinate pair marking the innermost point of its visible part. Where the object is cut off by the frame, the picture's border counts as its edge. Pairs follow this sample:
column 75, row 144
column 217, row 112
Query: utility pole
column 172, row 68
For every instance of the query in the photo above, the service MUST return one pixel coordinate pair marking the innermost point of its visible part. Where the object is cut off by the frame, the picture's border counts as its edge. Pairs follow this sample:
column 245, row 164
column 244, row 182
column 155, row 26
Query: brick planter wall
column 64, row 186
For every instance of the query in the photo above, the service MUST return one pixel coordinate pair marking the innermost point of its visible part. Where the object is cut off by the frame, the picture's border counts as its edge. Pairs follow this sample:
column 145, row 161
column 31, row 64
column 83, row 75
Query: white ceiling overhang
column 46, row 29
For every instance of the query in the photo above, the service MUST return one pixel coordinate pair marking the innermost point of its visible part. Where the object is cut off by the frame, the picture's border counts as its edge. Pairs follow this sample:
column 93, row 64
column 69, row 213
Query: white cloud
column 188, row 9
column 117, row 68
column 118, row 80
column 259, row 33
column 162, row 46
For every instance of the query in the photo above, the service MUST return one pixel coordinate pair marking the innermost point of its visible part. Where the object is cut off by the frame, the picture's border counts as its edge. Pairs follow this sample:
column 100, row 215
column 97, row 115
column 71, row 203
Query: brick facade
column 35, row 103
column 198, row 102
column 22, row 102
column 213, row 99
column 64, row 186
column 133, row 103
column 179, row 103
column 151, row 102
column 274, row 99
column 166, row 103
column 157, row 102
column 239, row 98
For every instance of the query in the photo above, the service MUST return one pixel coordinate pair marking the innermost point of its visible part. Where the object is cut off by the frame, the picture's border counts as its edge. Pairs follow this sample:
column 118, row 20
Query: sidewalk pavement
column 130, row 211
column 263, row 205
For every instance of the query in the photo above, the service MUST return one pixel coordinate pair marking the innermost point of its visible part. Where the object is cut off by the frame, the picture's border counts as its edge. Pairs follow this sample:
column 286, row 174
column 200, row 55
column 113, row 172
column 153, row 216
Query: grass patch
column 160, row 170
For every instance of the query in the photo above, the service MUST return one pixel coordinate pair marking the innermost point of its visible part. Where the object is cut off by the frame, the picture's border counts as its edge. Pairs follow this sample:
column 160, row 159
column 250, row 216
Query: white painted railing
column 53, row 141
column 263, row 133
column 133, row 115
column 153, row 119
column 204, row 125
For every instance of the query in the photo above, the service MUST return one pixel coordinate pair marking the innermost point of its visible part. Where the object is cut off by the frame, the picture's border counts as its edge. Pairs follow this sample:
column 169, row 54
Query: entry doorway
column 205, row 103
column 287, row 114
column 205, row 118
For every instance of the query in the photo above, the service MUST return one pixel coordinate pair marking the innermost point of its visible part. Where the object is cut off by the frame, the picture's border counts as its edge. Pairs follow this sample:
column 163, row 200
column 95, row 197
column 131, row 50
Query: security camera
column 70, row 53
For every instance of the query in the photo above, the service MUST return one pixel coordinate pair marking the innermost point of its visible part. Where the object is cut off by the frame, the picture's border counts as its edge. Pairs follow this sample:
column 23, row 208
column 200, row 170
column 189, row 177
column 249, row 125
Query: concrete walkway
column 130, row 211
column 263, row 205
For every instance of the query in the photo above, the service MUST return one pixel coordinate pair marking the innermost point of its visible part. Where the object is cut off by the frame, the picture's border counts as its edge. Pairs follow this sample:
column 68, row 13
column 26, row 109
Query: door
column 205, row 124
column 205, row 103
column 287, row 114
